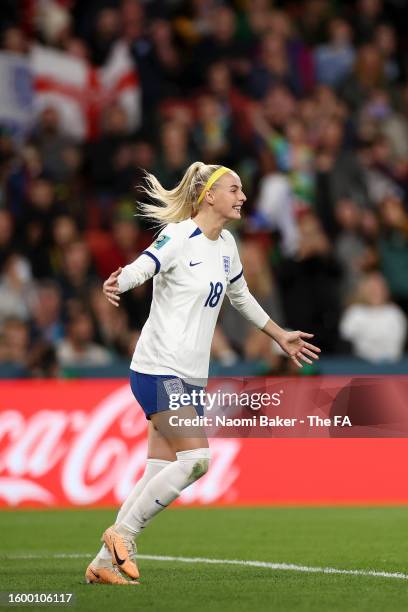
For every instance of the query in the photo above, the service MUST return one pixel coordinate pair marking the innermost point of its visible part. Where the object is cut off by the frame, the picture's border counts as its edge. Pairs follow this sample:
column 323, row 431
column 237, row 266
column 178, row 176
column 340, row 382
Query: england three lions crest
column 173, row 386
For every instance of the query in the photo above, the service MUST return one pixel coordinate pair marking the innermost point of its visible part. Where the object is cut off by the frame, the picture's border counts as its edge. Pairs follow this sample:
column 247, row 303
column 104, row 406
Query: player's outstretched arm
column 131, row 276
column 294, row 343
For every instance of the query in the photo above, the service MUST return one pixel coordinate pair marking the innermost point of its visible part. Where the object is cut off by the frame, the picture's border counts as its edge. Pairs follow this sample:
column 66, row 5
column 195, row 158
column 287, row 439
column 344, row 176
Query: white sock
column 153, row 467
column 164, row 488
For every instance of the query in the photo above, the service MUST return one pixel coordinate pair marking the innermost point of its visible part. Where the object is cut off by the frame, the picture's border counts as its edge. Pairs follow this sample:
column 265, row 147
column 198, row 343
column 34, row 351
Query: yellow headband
column 213, row 177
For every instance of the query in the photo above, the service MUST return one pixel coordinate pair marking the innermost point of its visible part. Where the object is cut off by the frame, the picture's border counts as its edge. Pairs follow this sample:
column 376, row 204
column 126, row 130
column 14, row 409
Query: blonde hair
column 176, row 204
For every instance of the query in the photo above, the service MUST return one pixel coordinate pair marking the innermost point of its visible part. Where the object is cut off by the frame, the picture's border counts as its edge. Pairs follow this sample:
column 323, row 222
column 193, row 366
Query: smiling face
column 226, row 197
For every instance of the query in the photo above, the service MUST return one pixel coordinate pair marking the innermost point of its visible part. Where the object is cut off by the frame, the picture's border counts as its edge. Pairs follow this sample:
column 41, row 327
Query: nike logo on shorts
column 195, row 263
column 157, row 501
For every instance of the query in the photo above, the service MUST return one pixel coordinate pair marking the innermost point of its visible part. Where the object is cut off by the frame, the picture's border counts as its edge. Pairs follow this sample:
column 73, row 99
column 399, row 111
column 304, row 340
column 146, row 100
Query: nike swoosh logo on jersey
column 195, row 263
column 156, row 500
column 119, row 561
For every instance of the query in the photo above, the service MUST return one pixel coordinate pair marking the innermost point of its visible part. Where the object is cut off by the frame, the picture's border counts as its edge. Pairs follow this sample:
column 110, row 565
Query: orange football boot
column 105, row 575
column 123, row 551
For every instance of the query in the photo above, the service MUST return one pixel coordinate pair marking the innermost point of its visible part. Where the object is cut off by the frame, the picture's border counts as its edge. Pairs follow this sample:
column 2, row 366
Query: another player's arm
column 294, row 343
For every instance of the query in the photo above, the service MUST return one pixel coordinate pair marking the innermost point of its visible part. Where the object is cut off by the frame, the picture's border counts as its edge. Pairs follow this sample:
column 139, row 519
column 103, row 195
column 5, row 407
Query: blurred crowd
column 306, row 100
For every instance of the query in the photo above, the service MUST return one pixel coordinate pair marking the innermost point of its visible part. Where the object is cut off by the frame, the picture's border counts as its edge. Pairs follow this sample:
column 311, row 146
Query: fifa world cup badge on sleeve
column 161, row 241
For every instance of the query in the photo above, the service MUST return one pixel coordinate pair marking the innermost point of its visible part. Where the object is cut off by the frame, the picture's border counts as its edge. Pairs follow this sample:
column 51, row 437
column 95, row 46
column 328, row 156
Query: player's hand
column 295, row 344
column 111, row 288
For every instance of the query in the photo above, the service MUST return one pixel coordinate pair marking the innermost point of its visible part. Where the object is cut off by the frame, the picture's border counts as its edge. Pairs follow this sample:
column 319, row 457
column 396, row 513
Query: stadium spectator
column 368, row 74
column 299, row 53
column 75, row 47
column 18, row 176
column 234, row 103
column 16, row 344
column 375, row 326
column 64, row 231
column 393, row 249
column 15, row 288
column 78, row 347
column 293, row 155
column 222, row 43
column 368, row 14
column 335, row 59
column 221, row 349
column 251, row 343
column 102, row 154
column 53, row 146
column 53, row 21
column 378, row 117
column 350, row 245
column 106, row 31
column 339, row 174
column 111, row 328
column 380, row 176
column 272, row 68
column 275, row 210
column 41, row 207
column 386, row 41
column 42, row 360
column 256, row 20
column 6, row 236
column 47, row 313
column 176, row 153
column 118, row 247
column 14, row 41
column 215, row 135
column 312, row 20
column 77, row 272
column 158, row 57
column 167, row 69
column 278, row 106
column 308, row 283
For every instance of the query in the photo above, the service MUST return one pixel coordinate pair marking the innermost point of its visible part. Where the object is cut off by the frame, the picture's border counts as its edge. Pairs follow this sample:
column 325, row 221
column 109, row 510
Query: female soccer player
column 195, row 262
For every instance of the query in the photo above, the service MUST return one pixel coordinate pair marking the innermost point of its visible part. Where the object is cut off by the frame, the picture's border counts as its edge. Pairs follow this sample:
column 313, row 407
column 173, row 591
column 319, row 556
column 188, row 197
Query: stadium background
column 308, row 102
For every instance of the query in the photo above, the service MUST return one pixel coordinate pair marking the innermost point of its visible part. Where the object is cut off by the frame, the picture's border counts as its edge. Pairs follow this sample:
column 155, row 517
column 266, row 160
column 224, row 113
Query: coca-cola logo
column 85, row 456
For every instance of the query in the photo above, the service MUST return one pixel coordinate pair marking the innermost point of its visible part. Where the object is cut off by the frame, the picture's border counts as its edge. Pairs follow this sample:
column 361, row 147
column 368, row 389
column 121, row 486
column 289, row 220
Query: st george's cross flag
column 80, row 92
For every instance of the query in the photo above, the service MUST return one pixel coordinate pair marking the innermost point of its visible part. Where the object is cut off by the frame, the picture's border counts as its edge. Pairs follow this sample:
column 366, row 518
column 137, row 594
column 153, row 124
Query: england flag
column 81, row 92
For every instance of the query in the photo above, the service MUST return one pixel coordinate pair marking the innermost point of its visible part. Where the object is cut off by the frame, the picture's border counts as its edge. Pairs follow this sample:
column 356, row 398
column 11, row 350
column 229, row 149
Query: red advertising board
column 76, row 443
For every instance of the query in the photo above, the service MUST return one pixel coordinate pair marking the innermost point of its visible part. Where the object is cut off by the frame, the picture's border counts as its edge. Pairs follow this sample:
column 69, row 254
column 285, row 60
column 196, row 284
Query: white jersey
column 192, row 276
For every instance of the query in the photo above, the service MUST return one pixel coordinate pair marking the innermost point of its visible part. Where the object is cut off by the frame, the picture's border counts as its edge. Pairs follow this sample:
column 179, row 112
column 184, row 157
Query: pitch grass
column 345, row 538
